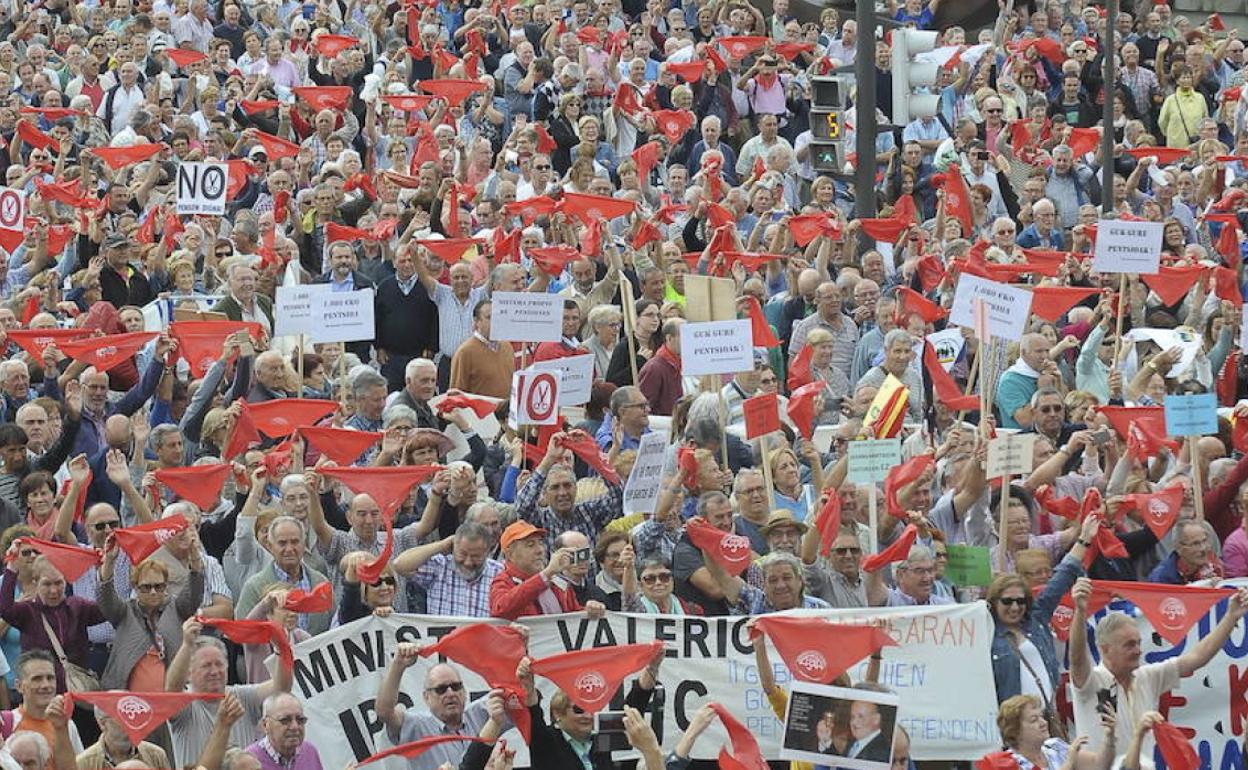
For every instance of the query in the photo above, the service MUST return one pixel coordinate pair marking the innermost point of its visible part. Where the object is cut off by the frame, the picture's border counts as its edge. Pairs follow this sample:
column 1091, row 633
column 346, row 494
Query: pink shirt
column 1235, row 554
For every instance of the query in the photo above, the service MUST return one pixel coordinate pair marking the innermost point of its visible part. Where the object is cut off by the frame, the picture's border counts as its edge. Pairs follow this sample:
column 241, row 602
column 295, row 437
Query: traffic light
column 909, row 75
column 828, row 98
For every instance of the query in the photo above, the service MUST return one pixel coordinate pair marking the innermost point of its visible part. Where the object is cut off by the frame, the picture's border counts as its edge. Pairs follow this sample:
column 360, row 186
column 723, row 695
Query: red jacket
column 513, row 596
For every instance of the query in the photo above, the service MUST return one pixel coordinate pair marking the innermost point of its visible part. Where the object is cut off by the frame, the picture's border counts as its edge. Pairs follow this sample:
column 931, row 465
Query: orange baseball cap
column 518, row 530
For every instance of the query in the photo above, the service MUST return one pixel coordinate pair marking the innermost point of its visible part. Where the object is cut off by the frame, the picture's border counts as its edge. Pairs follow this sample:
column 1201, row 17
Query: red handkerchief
column 71, row 561
column 201, row 484
column 728, row 550
column 282, row 416
column 388, row 486
column 139, row 713
column 119, row 157
column 816, row 650
column 324, row 97
column 106, row 352
column 591, row 677
column 338, row 444
column 142, row 540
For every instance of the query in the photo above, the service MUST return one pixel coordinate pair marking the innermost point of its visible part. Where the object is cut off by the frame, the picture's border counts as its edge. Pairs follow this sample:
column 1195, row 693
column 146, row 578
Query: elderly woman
column 1023, row 655
column 788, row 491
column 656, row 597
column 149, row 626
column 360, row 599
column 1025, row 733
column 591, row 133
column 604, row 326
column 37, row 492
column 613, row 565
column 835, row 382
column 1016, row 531
column 50, row 620
column 784, row 587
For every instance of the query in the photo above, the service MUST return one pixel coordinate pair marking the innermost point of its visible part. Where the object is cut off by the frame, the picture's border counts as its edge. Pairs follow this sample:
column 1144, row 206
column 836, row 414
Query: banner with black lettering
column 943, row 650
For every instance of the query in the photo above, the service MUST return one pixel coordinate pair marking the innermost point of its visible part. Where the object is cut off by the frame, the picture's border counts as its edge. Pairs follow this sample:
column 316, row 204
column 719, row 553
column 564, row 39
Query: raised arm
column 1080, row 658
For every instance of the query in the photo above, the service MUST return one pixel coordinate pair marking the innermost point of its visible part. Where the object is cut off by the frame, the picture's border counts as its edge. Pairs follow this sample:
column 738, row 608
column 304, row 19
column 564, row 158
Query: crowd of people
column 179, row 478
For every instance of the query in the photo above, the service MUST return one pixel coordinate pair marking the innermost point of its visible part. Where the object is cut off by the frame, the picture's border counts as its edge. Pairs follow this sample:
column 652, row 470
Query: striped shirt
column 342, row 543
column 588, row 517
column 844, row 339
column 449, row 594
column 454, row 318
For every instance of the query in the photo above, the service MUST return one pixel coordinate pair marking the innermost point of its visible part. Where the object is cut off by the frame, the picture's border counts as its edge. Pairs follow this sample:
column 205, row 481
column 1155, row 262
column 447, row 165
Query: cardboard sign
column 12, row 209
column 641, row 491
column 948, row 345
column 523, row 316
column 1009, row 454
column 762, row 415
column 1194, row 415
column 710, row 299
column 577, row 379
column 1008, row 306
column 201, row 188
column 969, row 565
column 344, row 316
column 535, row 396
column 294, row 309
column 716, row 347
column 807, row 732
column 1188, row 341
column 1127, row 247
column 871, row 460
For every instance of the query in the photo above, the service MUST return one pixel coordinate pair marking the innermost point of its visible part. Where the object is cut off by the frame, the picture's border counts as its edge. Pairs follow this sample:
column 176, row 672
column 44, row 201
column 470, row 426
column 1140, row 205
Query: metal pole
column 864, row 109
column 1110, row 75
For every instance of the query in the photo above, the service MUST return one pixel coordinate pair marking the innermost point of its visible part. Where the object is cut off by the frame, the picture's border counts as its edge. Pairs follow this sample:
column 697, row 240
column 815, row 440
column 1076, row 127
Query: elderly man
column 915, row 576
column 29, row 750
column 1133, row 688
column 555, row 483
column 270, row 378
column 838, row 581
column 120, row 282
column 1192, row 559
column 828, row 315
column 102, row 521
column 19, row 461
column 115, row 746
column 284, row 745
column 16, row 393
column 586, row 289
column 1021, row 381
column 287, row 543
column 660, row 379
column 898, row 360
column 527, row 584
column 694, row 581
column 122, row 99
column 242, row 303
column 871, row 344
column 33, row 419
column 1043, row 232
column 420, row 385
column 481, row 365
column 783, row 586
column 455, row 572
column 96, row 405
column 454, row 304
column 408, row 321
column 630, row 414
column 749, row 493
column 449, row 713
column 201, row 660
column 369, row 391
column 869, row 744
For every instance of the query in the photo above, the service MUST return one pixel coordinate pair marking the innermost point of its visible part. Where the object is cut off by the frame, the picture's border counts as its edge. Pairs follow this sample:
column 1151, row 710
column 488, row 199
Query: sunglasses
column 656, row 577
column 384, row 581
column 442, row 688
column 541, row 168
column 1015, row 601
column 150, row 588
column 100, row 526
column 848, row 551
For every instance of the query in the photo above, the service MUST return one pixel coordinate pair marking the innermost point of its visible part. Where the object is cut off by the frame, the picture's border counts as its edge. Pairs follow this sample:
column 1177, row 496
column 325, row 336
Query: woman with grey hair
column 604, row 325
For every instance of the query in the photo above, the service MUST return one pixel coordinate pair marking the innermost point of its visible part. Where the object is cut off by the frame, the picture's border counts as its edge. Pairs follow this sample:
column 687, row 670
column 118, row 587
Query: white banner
column 295, row 309
column 577, row 379
column 1008, row 306
column 201, row 188
column 1127, row 247
column 525, row 316
column 343, row 316
column 716, row 347
column 944, row 650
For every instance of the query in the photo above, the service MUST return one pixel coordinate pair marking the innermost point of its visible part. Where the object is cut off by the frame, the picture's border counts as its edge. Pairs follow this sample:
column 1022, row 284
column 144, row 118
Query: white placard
column 1165, row 339
column 1010, row 454
column 523, row 316
column 344, row 316
column 641, row 492
column 294, row 309
column 1008, row 306
column 201, row 188
column 1127, row 247
column 948, row 344
column 716, row 347
column 535, row 396
column 12, row 209
column 578, row 377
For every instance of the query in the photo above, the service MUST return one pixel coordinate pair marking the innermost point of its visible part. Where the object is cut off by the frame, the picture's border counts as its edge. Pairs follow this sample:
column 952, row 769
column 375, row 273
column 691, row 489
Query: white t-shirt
column 1149, row 682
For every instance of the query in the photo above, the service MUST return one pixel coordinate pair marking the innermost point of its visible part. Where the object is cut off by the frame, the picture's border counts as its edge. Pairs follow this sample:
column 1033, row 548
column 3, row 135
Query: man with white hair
column 284, row 744
column 33, row 419
column 915, row 576
column 194, row 29
column 1021, row 381
column 123, row 99
column 242, row 302
column 712, row 129
column 287, row 544
column 455, row 572
column 454, row 303
column 1043, row 232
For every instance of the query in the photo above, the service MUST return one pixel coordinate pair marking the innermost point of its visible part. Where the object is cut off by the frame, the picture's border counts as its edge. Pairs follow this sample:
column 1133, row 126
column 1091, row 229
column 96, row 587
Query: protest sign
column 1009, row 454
column 1008, row 306
column 871, row 460
column 535, row 396
column 295, row 309
column 201, row 188
column 641, row 491
column 343, row 316
column 12, row 209
column 1191, row 415
column 716, row 347
column 524, row 316
column 948, row 344
column 815, row 706
column 1187, row 341
column 943, row 649
column 577, row 379
column 968, row 565
column 710, row 299
column 1127, row 247
column 762, row 415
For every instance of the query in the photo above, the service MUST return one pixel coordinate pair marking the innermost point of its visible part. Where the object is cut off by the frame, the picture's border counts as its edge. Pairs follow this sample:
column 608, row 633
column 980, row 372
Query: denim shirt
column 1006, row 667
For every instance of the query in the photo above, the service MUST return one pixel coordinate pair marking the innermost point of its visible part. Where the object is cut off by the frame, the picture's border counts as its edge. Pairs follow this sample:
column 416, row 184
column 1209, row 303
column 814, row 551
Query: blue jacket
column 1167, row 571
column 1006, row 666
column 1030, row 238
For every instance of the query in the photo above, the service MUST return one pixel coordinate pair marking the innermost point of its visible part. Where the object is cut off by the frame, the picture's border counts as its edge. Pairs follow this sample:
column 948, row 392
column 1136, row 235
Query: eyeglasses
column 384, row 581
column 1005, row 232
column 150, row 588
column 298, row 719
column 100, row 526
column 541, row 168
column 1051, row 409
column 993, row 109
column 847, row 551
column 442, row 688
column 1014, row 601
column 639, row 405
column 942, row 554
column 656, row 577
